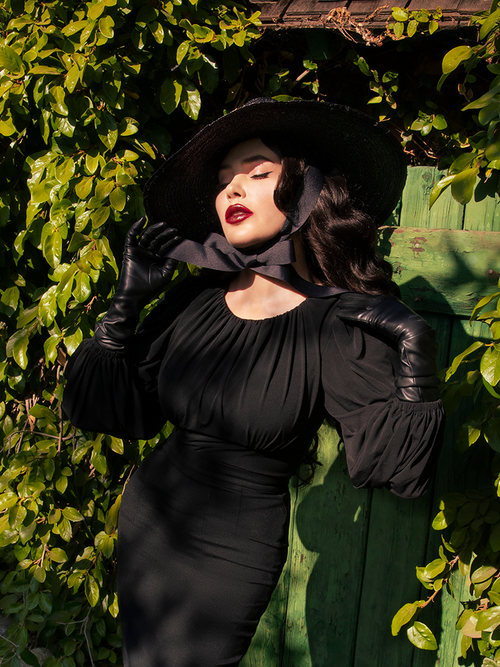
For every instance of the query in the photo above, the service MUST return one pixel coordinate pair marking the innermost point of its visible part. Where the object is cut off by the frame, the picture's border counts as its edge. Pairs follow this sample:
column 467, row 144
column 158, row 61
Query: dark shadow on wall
column 368, row 547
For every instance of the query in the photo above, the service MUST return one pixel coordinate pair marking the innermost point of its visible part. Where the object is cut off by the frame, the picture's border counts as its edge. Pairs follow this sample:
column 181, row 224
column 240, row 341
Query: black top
column 259, row 385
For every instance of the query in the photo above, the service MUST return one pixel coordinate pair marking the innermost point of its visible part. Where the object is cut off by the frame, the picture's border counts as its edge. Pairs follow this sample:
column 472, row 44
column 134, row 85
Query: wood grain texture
column 446, row 212
column 443, row 270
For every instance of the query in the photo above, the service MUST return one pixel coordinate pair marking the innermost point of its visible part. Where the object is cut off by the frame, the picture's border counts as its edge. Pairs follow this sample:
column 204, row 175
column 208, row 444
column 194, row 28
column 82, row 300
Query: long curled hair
column 339, row 240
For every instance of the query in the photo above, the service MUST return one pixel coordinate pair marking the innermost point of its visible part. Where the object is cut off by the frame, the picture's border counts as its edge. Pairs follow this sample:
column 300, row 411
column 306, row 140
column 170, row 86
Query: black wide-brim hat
column 330, row 136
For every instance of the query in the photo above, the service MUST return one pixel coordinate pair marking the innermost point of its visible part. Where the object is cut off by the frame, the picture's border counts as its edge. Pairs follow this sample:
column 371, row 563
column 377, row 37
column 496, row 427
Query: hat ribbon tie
column 276, row 258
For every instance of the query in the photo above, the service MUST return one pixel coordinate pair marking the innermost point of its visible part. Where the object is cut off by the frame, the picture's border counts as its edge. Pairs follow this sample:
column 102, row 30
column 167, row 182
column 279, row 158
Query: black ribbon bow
column 275, row 258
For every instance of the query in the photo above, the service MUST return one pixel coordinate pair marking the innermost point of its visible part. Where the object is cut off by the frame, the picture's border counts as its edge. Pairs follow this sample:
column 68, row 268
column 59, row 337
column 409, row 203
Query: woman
column 298, row 323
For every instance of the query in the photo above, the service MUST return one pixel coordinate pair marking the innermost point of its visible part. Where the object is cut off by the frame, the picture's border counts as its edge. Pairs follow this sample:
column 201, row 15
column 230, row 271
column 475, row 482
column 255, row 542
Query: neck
column 252, row 295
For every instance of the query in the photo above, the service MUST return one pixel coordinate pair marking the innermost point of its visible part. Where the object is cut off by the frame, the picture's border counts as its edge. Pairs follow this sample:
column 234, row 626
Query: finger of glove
column 133, row 232
column 168, row 245
column 155, row 236
column 167, row 268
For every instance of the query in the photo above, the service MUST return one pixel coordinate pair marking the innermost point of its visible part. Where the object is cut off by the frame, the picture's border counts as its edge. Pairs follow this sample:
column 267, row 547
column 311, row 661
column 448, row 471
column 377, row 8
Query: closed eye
column 263, row 175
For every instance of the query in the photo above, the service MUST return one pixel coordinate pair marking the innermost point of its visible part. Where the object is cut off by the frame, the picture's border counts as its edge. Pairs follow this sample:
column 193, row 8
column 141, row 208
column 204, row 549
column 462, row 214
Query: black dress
column 204, row 521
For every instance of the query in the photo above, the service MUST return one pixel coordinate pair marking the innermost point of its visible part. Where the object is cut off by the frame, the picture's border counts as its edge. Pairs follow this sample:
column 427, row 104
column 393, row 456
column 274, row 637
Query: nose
column 235, row 188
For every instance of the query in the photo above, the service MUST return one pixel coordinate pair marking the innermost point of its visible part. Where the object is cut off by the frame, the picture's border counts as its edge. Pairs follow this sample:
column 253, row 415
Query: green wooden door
column 353, row 552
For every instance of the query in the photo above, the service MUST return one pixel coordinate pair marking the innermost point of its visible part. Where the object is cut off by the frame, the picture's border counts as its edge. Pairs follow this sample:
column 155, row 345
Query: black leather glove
column 415, row 340
column 145, row 272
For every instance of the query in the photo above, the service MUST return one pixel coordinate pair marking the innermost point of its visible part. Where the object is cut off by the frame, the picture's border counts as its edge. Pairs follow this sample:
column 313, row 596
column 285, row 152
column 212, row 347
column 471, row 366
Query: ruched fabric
column 203, row 525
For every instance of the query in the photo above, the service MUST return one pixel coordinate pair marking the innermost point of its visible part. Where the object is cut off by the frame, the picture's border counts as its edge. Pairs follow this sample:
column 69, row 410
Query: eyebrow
column 252, row 158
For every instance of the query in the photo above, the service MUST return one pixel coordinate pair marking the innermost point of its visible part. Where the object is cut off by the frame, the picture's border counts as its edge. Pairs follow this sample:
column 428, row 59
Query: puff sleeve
column 388, row 442
column 116, row 393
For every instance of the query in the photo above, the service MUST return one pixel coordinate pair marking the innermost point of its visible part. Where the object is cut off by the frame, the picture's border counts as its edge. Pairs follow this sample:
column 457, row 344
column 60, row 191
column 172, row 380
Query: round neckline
column 223, row 293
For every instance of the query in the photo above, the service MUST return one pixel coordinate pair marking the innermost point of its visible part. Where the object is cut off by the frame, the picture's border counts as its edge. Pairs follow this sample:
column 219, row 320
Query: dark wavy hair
column 340, row 247
column 339, row 240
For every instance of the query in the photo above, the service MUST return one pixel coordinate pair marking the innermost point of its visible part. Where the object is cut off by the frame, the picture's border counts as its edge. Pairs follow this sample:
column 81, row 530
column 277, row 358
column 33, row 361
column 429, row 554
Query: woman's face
column 245, row 204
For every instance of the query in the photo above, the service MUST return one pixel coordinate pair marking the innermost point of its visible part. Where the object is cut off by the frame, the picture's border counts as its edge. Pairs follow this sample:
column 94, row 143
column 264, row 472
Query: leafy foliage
column 471, row 519
column 89, row 92
column 482, row 154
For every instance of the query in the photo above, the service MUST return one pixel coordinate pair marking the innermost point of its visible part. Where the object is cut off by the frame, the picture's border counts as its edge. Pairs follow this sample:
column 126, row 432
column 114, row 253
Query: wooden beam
column 442, row 270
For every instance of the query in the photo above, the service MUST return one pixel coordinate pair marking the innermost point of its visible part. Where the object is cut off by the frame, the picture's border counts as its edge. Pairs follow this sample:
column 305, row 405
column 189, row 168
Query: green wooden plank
column 395, row 547
column 456, row 472
column 442, row 270
column 326, row 565
column 483, row 212
column 397, row 543
column 446, row 212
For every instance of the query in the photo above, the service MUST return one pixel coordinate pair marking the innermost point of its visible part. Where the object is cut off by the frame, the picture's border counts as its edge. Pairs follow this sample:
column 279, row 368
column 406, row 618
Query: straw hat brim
column 182, row 192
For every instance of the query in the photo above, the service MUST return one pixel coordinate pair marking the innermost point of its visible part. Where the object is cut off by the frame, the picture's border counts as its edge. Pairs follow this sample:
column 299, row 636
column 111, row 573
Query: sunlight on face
column 245, row 204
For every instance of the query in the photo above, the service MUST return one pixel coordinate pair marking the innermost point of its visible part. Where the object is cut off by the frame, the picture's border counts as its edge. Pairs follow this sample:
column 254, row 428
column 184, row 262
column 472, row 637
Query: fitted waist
column 227, row 465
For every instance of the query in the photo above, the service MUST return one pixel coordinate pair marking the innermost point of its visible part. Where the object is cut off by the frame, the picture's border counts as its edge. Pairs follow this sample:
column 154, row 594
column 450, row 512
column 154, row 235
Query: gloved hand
column 415, row 340
column 145, row 272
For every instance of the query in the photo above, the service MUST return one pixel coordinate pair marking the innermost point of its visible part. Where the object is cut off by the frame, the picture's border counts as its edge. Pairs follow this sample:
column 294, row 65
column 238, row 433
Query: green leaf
column 91, row 590
column 107, row 129
column 17, row 347
column 7, row 500
column 439, row 122
column 7, row 127
column 91, row 163
column 82, row 289
column 412, row 28
column 454, row 57
column 399, row 14
column 463, row 184
column 190, row 100
column 58, row 555
column 105, row 543
column 100, row 216
column 483, row 573
column 422, row 637
column 29, row 658
column 488, row 619
column 72, row 78
column 399, row 29
column 47, row 308
column 118, row 198
column 112, row 516
column 490, row 366
column 10, row 60
column 106, row 25
column 72, row 514
column 99, row 462
column 405, row 615
column 72, row 341
column 52, row 248
column 489, row 24
column 170, row 95
column 42, row 412
column 10, row 300
column 96, row 10
column 182, row 51
column 61, row 485
column 490, row 389
column 439, row 188
column 484, row 100
column 65, row 171
column 84, row 187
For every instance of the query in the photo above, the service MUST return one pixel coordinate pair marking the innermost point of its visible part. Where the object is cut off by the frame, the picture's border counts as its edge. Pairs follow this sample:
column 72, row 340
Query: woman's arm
column 389, row 441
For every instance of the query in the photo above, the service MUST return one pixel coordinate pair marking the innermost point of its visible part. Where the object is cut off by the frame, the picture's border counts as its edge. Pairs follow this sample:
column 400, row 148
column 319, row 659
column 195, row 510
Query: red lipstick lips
column 237, row 213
